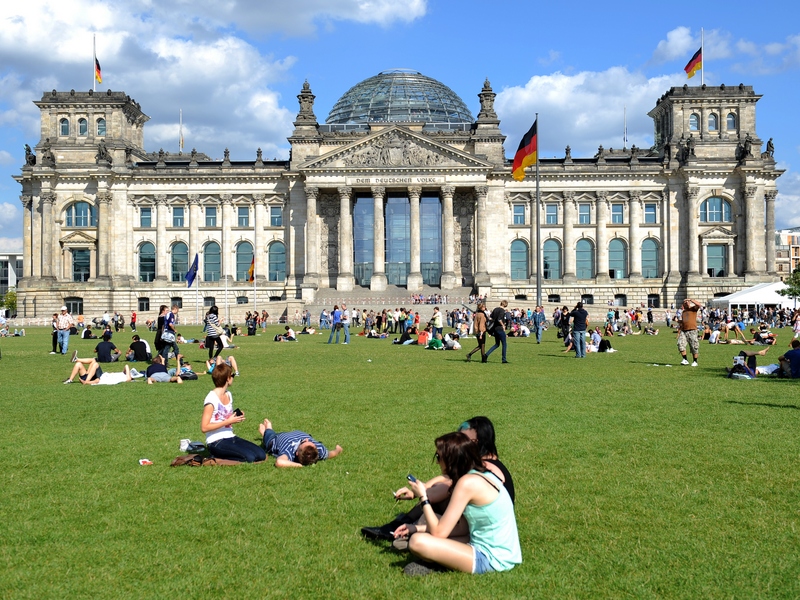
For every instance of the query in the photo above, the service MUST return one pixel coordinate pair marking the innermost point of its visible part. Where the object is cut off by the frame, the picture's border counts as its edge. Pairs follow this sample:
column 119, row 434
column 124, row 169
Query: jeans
column 210, row 343
column 579, row 338
column 499, row 339
column 165, row 351
column 235, row 448
column 346, row 327
column 539, row 330
column 269, row 436
column 63, row 339
column 336, row 331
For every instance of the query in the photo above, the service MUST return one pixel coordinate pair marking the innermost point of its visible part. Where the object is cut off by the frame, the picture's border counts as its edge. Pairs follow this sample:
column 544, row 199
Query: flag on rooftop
column 526, row 153
column 695, row 64
column 251, row 270
column 192, row 272
column 98, row 74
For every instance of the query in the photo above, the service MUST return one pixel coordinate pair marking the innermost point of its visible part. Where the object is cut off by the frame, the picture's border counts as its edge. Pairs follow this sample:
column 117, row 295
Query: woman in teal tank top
column 480, row 497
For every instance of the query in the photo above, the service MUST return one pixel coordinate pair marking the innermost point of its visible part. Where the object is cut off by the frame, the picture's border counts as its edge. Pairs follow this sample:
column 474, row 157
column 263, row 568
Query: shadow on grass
column 767, row 404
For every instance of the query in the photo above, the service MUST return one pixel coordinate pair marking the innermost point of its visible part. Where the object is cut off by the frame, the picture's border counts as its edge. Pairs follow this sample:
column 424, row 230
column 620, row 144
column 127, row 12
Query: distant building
column 401, row 187
column 10, row 270
column 787, row 243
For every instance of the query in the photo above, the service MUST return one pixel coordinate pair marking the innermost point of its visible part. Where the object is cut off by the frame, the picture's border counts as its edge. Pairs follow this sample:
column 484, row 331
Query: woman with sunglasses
column 480, row 497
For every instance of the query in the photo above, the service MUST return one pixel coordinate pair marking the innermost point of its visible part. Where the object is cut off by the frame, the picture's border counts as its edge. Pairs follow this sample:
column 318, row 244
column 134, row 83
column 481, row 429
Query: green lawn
column 632, row 480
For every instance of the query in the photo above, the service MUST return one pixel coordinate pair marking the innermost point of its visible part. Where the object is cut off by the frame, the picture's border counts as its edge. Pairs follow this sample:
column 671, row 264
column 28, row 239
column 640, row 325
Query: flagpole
column 624, row 127
column 227, row 307
column 538, row 224
column 180, row 133
column 702, row 57
column 94, row 62
column 197, row 299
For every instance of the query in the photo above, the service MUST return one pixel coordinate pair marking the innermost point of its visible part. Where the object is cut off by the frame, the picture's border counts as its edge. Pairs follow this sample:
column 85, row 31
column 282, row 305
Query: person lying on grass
column 157, row 372
column 230, row 361
column 294, row 448
column 479, row 496
column 93, row 374
column 219, row 417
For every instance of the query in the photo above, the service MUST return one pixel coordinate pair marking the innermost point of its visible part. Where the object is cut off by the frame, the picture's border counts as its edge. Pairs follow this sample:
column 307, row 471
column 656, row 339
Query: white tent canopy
column 763, row 294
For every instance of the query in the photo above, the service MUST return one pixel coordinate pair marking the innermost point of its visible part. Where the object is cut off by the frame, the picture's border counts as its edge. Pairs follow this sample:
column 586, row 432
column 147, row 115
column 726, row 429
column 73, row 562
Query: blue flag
column 192, row 272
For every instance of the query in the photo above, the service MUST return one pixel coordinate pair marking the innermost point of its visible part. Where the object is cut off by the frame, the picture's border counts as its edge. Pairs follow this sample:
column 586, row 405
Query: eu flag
column 192, row 272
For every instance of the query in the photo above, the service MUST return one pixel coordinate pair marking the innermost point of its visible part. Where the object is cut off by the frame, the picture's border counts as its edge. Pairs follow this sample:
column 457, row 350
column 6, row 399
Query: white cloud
column 787, row 203
column 583, row 110
column 679, row 41
column 11, row 244
column 6, row 158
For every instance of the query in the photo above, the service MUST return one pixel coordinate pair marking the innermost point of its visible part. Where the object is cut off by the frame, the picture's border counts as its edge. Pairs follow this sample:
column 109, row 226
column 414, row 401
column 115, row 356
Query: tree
column 792, row 289
column 10, row 301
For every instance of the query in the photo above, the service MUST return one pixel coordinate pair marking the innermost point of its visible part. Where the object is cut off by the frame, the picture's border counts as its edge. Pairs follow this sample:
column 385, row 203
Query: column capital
column 378, row 191
column 750, row 191
column 691, row 192
column 312, row 191
column 482, row 190
column 448, row 190
column 193, row 199
column 601, row 195
column 415, row 191
column 226, row 199
column 26, row 200
column 104, row 198
column 770, row 195
column 160, row 199
column 635, row 195
column 48, row 198
column 344, row 192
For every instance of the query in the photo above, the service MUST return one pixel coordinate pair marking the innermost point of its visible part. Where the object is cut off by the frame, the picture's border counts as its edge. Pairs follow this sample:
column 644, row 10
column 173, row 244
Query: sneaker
column 684, row 362
column 236, row 373
column 66, row 381
column 74, row 356
column 344, row 344
column 419, row 569
column 53, row 353
column 694, row 363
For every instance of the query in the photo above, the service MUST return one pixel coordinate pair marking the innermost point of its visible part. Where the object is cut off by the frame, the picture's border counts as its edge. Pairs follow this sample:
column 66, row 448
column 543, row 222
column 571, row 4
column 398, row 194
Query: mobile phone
column 238, row 412
column 411, row 478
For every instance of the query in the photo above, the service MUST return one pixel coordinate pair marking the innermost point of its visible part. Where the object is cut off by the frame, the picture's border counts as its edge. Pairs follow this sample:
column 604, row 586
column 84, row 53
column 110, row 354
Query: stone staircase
column 393, row 297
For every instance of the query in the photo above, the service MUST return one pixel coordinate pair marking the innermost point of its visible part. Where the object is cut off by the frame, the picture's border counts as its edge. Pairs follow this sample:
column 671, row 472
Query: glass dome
column 399, row 95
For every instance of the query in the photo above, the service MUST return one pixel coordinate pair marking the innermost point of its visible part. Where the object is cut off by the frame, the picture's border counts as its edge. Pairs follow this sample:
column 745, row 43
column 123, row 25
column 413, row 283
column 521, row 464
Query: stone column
column 226, row 222
column 37, row 235
column 769, row 199
column 704, row 259
column 27, row 235
column 162, row 215
column 378, row 281
column 536, row 262
column 569, row 237
column 195, row 223
column 731, row 260
column 48, row 256
column 751, row 210
column 602, row 236
column 259, row 253
column 692, row 214
column 414, row 281
column 345, row 280
column 130, row 272
column 449, row 280
column 482, row 279
column 311, row 278
column 635, row 237
column 104, row 246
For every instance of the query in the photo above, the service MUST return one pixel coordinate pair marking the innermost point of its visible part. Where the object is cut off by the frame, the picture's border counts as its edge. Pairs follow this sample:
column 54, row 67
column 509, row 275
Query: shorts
column 97, row 375
column 160, row 377
column 689, row 337
column 480, row 563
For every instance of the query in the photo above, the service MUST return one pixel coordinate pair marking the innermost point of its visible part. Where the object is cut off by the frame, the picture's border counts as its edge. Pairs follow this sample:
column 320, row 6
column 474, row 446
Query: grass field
column 632, row 480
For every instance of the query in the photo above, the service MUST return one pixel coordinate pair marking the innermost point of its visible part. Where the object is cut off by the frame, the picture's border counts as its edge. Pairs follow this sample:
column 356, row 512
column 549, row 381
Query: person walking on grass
column 688, row 331
column 479, row 328
column 497, row 328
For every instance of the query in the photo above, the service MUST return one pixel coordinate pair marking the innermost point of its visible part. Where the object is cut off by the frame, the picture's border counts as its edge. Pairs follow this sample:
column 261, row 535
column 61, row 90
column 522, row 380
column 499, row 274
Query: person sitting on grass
column 106, row 350
column 138, row 351
column 88, row 334
column 94, row 375
column 405, row 338
column 480, row 497
column 157, row 373
column 294, row 448
column 763, row 337
column 230, row 361
column 218, row 420
column 289, row 336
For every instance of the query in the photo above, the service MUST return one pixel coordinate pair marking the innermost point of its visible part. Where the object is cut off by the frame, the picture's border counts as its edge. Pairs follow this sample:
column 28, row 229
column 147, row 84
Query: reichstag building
column 401, row 190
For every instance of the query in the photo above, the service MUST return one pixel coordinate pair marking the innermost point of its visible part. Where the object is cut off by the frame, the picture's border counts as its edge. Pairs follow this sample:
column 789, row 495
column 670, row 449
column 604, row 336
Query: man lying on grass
column 294, row 448
column 93, row 375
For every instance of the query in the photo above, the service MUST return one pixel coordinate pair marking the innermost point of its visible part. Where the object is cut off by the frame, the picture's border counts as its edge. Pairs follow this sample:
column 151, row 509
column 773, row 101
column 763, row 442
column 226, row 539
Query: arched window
column 211, row 260
column 147, row 262
column 694, row 122
column 731, row 121
column 101, row 127
column 650, row 268
column 63, row 127
column 83, row 127
column 584, row 259
column 617, row 259
column 551, row 260
column 715, row 210
column 180, row 261
column 81, row 214
column 519, row 260
column 244, row 258
column 713, row 122
column 277, row 261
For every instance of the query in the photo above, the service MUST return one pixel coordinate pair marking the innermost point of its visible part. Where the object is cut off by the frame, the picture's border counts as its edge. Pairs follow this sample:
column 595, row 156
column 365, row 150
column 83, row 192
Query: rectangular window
column 145, row 217
column 551, row 214
column 649, row 213
column 519, row 214
column 244, row 216
column 211, row 216
column 241, row 300
column 80, row 265
column 275, row 216
column 584, row 214
column 177, row 216
column 176, row 301
column 144, row 304
column 209, row 301
column 617, row 214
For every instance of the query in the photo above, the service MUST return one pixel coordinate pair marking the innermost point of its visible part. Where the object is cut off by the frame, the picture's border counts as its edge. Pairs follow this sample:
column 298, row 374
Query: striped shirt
column 285, row 444
column 212, row 319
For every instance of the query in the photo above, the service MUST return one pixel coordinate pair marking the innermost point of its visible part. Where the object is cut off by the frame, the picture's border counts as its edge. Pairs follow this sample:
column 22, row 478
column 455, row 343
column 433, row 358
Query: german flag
column 695, row 64
column 526, row 153
column 98, row 74
column 251, row 271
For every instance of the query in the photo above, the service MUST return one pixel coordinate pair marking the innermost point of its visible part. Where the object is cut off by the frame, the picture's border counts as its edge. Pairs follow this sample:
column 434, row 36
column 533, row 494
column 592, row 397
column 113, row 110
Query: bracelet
column 425, row 502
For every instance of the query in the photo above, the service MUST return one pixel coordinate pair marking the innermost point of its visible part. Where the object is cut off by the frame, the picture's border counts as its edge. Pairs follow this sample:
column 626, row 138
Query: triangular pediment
column 717, row 234
column 78, row 238
column 395, row 148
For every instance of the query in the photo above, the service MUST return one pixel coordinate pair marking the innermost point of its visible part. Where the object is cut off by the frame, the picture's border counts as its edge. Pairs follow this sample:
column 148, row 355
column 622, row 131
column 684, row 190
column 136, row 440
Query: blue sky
column 235, row 68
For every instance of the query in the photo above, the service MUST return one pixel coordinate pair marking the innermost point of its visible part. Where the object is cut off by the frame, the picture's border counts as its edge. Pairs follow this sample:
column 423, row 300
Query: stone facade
column 109, row 226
